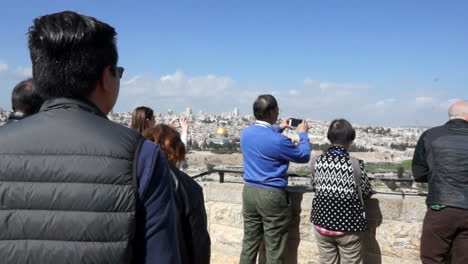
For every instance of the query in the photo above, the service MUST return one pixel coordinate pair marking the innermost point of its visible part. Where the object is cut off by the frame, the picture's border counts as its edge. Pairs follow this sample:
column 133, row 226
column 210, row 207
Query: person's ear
column 106, row 79
column 273, row 113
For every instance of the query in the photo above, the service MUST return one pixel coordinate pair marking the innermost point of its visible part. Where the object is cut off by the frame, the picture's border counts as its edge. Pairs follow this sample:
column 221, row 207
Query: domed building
column 221, row 137
column 222, row 131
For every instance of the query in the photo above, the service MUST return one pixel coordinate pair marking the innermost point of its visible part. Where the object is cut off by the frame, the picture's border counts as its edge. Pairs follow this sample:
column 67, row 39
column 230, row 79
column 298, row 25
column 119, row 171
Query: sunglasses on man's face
column 119, row 71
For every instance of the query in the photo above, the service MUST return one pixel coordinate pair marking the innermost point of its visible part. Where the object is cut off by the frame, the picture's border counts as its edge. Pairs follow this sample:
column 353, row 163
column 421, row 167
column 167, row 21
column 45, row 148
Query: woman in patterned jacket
column 337, row 209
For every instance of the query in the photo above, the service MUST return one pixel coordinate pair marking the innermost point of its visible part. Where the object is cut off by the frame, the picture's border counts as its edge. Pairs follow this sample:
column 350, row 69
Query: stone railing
column 395, row 226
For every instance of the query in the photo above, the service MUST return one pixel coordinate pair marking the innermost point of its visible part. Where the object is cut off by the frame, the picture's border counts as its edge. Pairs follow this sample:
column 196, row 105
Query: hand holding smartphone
column 300, row 124
column 294, row 122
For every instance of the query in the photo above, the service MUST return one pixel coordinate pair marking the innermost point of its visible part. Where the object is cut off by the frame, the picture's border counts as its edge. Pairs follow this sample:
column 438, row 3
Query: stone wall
column 395, row 226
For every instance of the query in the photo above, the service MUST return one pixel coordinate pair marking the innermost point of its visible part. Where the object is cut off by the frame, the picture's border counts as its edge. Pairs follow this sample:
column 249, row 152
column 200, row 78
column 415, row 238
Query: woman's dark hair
column 140, row 117
column 264, row 106
column 341, row 132
column 169, row 141
column 69, row 52
column 25, row 98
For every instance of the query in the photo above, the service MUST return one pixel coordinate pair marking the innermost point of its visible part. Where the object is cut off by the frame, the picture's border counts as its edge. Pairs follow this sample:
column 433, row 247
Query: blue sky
column 373, row 62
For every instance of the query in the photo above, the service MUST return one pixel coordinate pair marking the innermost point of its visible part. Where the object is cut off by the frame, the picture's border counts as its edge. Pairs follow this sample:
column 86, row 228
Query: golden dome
column 221, row 131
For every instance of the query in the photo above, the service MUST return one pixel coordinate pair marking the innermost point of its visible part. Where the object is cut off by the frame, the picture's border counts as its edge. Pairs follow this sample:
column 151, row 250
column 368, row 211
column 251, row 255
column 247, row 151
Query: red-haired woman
column 194, row 240
column 142, row 118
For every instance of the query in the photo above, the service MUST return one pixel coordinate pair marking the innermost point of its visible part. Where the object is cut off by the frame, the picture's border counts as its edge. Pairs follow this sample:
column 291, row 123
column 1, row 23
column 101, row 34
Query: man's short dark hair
column 264, row 106
column 69, row 52
column 25, row 98
column 341, row 132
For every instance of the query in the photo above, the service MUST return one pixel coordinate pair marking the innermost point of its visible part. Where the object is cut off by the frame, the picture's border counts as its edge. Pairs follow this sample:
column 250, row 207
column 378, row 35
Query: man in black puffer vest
column 74, row 186
column 441, row 159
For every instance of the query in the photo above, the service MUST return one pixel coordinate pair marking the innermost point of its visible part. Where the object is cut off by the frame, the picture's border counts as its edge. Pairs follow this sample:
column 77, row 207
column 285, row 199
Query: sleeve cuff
column 304, row 135
column 278, row 129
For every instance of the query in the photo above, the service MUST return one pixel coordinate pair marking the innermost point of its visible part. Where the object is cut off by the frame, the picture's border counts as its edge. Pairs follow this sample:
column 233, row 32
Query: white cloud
column 177, row 91
column 326, row 87
column 316, row 99
column 177, row 84
column 424, row 100
column 217, row 94
column 409, row 111
column 20, row 73
column 293, row 92
column 3, row 67
column 385, row 102
column 446, row 104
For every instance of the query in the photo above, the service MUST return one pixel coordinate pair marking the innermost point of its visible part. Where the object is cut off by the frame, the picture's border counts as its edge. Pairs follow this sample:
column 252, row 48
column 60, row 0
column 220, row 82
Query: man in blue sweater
column 267, row 154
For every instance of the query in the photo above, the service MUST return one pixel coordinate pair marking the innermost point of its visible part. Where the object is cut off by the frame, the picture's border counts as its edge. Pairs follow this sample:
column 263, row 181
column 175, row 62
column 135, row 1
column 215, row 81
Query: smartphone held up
column 294, row 122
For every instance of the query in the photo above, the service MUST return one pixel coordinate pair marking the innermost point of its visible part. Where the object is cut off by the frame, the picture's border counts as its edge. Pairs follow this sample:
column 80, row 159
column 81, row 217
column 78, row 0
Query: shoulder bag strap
column 357, row 177
column 313, row 161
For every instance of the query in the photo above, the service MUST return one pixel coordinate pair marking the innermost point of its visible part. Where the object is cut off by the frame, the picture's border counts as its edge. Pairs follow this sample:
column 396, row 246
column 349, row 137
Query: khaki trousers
column 345, row 249
column 266, row 217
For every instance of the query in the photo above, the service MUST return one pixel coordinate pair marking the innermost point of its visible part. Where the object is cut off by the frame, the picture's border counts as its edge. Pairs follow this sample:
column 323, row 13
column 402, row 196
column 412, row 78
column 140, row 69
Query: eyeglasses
column 119, row 71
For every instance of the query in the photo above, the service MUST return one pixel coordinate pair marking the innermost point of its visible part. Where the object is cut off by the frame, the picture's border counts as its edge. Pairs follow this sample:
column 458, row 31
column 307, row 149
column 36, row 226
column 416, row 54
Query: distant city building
column 227, row 115
column 236, row 111
column 249, row 117
column 213, row 128
column 188, row 111
column 221, row 137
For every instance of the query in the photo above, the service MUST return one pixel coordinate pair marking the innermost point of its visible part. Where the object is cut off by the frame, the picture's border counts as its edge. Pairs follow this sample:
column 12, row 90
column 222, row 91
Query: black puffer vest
column 67, row 187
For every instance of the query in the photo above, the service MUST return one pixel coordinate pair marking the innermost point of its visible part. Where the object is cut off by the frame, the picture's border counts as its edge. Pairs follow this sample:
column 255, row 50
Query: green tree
column 195, row 145
column 209, row 166
column 400, row 172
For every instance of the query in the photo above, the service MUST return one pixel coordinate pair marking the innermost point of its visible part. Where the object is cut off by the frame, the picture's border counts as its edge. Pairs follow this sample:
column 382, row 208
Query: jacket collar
column 263, row 124
column 65, row 103
column 339, row 150
column 457, row 122
column 459, row 125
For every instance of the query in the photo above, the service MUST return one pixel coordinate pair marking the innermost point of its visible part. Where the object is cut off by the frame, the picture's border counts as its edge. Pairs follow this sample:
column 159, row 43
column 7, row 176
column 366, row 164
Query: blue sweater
column 267, row 154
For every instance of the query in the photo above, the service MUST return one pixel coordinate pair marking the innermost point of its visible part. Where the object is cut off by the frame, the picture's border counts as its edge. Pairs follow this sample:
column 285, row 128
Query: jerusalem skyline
column 320, row 59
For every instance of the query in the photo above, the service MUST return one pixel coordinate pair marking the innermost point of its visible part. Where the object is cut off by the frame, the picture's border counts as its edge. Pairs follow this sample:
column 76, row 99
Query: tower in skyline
column 236, row 111
column 188, row 111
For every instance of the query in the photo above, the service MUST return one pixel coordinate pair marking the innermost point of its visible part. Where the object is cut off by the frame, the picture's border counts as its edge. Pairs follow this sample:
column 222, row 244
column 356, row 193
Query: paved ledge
column 395, row 224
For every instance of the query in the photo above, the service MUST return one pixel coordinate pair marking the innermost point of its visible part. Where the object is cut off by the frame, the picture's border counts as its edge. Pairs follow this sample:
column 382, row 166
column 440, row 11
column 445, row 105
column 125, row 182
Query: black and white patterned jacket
column 336, row 205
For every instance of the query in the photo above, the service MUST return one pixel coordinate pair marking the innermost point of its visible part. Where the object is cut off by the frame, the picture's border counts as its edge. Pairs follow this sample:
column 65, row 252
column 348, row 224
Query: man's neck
column 99, row 104
column 269, row 121
column 263, row 123
column 459, row 118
